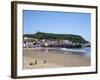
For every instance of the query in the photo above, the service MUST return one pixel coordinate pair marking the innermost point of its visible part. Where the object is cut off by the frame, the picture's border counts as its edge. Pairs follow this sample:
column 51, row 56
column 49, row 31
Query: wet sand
column 33, row 58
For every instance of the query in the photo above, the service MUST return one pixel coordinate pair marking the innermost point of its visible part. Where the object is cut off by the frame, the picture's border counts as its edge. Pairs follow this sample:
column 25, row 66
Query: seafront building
column 30, row 43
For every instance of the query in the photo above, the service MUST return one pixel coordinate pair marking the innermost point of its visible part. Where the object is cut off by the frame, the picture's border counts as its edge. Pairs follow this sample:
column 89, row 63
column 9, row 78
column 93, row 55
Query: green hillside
column 52, row 36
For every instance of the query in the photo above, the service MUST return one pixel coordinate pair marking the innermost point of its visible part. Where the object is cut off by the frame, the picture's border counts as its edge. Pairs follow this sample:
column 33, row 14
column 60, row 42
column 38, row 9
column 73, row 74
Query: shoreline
column 64, row 49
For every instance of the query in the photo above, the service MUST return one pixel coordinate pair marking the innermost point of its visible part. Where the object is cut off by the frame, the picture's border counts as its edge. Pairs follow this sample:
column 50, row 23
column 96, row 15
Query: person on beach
column 44, row 61
column 35, row 62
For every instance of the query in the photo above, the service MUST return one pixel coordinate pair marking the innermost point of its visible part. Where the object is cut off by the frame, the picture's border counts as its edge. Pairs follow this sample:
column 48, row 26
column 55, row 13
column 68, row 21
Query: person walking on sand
column 35, row 62
column 44, row 61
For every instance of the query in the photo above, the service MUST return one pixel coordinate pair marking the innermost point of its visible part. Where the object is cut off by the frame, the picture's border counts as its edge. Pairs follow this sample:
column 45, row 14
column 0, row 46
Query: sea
column 85, row 52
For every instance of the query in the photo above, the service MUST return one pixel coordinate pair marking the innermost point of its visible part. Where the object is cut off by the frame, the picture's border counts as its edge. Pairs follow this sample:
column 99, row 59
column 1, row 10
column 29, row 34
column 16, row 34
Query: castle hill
column 42, row 39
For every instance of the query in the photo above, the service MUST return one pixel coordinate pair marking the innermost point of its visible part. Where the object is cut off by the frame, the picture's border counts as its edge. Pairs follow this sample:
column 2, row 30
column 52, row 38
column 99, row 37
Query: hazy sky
column 57, row 22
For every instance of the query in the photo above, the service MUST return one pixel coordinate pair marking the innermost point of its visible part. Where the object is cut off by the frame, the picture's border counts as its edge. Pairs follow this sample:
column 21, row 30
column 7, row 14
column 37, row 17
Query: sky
column 57, row 22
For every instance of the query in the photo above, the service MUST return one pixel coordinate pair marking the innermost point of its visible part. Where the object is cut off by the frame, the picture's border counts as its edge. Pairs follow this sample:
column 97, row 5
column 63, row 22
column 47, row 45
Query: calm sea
column 79, row 51
column 85, row 52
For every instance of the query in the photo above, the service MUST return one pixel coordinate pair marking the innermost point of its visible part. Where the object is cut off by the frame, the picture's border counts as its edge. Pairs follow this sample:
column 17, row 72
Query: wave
column 73, row 50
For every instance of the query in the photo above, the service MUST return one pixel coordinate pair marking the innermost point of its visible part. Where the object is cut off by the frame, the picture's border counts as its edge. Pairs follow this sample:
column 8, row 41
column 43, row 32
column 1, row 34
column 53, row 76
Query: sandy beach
column 35, row 58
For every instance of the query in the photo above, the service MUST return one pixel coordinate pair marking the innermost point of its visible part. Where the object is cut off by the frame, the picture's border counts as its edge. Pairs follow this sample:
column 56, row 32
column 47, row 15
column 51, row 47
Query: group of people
column 36, row 62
